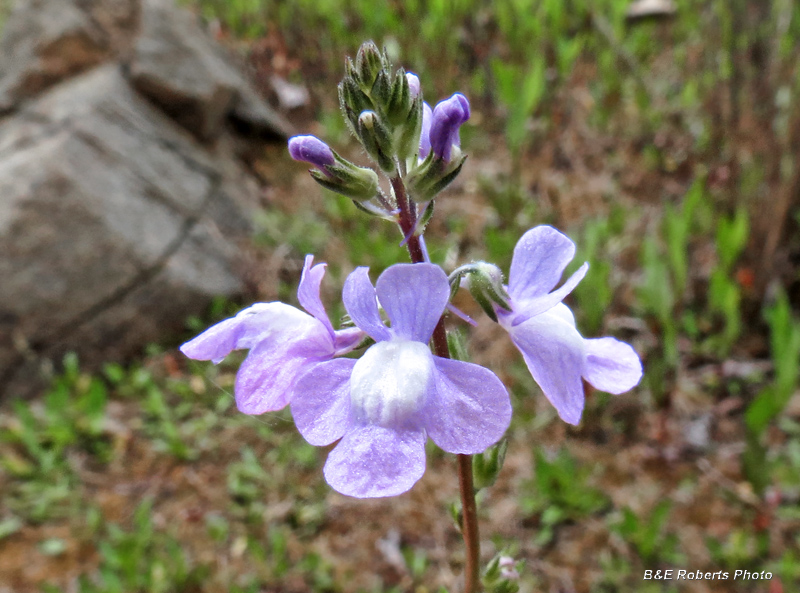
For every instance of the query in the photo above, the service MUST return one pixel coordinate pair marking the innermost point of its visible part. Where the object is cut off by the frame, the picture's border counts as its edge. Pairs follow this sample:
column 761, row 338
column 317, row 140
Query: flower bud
column 400, row 101
column 369, row 63
column 311, row 149
column 407, row 134
column 376, row 139
column 447, row 118
column 486, row 466
column 413, row 84
column 352, row 101
column 381, row 92
column 485, row 284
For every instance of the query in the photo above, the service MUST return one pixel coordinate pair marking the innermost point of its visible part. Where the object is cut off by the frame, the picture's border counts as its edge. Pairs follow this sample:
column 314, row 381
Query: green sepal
column 353, row 101
column 432, row 176
column 399, row 103
column 368, row 208
column 457, row 345
column 381, row 92
column 407, row 134
column 427, row 214
column 358, row 183
column 486, row 466
column 369, row 64
column 485, row 304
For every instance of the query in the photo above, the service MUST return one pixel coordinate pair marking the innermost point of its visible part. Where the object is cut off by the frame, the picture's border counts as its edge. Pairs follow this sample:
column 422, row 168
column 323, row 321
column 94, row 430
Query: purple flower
column 311, row 149
column 384, row 405
column 543, row 328
column 448, row 116
column 284, row 342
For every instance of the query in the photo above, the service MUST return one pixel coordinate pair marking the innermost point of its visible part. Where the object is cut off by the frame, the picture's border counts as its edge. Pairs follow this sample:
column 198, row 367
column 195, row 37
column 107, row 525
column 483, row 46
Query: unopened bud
column 400, row 101
column 413, row 84
column 311, row 149
column 353, row 101
column 508, row 568
column 485, row 284
column 376, row 139
column 447, row 118
column 486, row 466
column 369, row 63
column 407, row 134
column 381, row 92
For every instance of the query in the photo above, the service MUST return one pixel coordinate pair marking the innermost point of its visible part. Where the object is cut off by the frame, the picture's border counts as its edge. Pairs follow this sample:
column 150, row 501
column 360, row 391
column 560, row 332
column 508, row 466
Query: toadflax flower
column 543, row 328
column 284, row 342
column 384, row 405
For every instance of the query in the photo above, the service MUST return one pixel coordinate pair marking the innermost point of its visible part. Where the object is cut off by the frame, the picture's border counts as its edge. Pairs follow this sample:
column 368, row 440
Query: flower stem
column 469, row 525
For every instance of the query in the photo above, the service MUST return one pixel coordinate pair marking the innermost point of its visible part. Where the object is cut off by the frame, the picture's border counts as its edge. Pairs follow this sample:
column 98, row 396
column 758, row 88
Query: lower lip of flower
column 390, row 382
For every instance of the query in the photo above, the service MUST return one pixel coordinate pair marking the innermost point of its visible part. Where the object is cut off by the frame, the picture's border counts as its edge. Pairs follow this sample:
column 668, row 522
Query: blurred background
column 146, row 193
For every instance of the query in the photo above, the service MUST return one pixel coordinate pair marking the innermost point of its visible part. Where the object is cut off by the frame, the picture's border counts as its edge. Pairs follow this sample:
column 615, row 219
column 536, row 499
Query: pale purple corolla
column 448, row 116
column 284, row 343
column 425, row 134
column 311, row 149
column 384, row 405
column 413, row 84
column 440, row 126
column 543, row 328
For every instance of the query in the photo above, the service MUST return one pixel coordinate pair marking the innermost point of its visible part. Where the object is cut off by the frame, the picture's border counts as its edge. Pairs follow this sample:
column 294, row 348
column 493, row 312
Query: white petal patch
column 390, row 382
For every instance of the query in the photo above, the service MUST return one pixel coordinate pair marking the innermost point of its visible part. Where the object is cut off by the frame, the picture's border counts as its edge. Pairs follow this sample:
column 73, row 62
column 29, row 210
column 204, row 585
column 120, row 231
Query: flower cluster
column 383, row 405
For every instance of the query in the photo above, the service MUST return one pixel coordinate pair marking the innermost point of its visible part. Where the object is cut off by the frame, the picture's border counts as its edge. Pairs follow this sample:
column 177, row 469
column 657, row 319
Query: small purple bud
column 413, row 84
column 425, row 135
column 311, row 149
column 448, row 115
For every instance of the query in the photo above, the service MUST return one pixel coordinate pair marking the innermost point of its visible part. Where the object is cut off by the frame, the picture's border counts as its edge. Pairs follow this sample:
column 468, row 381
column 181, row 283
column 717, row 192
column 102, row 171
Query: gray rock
column 43, row 42
column 105, row 239
column 177, row 65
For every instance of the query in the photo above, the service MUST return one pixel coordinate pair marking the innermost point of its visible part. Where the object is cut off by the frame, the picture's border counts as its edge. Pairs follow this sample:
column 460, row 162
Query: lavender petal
column 308, row 292
column 425, row 135
column 374, row 461
column 414, row 297
column 260, row 322
column 524, row 310
column 447, row 117
column 470, row 410
column 362, row 306
column 554, row 352
column 266, row 379
column 611, row 365
column 321, row 401
column 540, row 257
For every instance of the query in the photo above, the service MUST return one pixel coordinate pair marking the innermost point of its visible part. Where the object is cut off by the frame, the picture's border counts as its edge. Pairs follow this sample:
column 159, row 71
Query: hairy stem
column 469, row 525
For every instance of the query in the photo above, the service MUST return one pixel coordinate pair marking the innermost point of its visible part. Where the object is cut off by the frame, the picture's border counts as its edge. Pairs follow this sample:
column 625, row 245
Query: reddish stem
column 469, row 524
